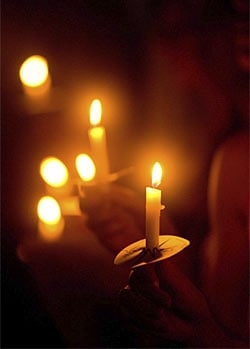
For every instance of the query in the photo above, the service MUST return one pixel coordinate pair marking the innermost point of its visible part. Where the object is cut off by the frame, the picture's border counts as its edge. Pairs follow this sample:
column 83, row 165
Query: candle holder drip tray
column 136, row 254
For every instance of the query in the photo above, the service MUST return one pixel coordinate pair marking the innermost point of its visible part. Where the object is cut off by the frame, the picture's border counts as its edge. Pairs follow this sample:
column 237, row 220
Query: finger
column 145, row 282
column 154, row 320
column 138, row 307
column 170, row 327
column 185, row 295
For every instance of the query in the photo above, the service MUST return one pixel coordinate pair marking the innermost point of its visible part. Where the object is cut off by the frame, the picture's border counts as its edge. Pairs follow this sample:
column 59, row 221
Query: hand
column 163, row 302
column 116, row 215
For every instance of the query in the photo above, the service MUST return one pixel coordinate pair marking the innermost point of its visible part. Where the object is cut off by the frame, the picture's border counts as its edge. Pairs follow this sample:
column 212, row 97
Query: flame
column 34, row 71
column 48, row 210
column 85, row 167
column 95, row 112
column 156, row 174
column 54, row 172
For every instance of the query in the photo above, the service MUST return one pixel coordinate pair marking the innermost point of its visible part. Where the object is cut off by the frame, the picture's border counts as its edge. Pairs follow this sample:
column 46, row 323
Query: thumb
column 185, row 295
column 144, row 281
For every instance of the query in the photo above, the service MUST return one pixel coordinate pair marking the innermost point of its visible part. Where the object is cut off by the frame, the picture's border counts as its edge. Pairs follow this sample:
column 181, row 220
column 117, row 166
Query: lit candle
column 51, row 222
column 97, row 138
column 56, row 176
column 54, row 172
column 85, row 167
column 35, row 77
column 153, row 208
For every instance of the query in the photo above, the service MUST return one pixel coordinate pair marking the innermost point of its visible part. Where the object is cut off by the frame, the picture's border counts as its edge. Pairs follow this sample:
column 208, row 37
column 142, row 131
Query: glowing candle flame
column 85, row 167
column 156, row 175
column 48, row 210
column 34, row 71
column 54, row 172
column 95, row 113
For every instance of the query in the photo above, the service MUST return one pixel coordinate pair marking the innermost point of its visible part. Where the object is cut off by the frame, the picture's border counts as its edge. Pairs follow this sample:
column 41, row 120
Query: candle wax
column 153, row 208
column 97, row 137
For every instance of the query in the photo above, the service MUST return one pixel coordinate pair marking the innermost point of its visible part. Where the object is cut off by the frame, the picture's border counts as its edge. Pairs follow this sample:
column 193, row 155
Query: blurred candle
column 56, row 176
column 153, row 208
column 85, row 167
column 54, row 172
column 51, row 222
column 35, row 77
column 97, row 138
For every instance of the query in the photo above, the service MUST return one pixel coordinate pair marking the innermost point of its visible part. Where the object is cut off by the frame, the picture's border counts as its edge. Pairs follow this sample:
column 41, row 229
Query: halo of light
column 51, row 233
column 34, row 71
column 54, row 172
column 85, row 167
column 48, row 210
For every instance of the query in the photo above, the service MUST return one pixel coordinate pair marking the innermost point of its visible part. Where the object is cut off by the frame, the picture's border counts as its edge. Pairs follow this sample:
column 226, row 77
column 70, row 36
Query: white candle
column 153, row 208
column 98, row 143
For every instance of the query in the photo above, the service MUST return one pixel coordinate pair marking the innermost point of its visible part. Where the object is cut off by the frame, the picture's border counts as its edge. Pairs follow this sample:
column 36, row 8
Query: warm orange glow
column 85, row 167
column 54, row 172
column 49, row 232
column 34, row 71
column 156, row 174
column 48, row 210
column 95, row 112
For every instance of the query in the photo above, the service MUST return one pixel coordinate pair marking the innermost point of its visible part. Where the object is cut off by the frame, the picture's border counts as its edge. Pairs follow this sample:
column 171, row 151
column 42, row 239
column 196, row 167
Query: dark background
column 167, row 74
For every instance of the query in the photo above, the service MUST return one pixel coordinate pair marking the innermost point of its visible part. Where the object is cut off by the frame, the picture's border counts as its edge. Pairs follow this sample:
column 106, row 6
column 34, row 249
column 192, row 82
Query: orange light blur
column 51, row 223
column 48, row 210
column 54, row 172
column 85, row 167
column 34, row 71
column 51, row 233
column 95, row 112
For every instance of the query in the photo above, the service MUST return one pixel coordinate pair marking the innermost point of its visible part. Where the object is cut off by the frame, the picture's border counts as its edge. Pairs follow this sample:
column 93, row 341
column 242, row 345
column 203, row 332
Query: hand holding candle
column 154, row 247
column 97, row 138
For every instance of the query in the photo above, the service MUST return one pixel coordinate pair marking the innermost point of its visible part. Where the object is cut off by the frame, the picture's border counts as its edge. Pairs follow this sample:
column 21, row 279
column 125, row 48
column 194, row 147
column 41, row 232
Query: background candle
column 51, row 222
column 85, row 167
column 97, row 138
column 35, row 77
column 153, row 208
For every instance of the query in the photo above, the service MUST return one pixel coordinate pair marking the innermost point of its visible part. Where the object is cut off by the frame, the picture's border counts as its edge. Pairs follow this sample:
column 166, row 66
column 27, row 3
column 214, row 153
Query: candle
column 35, row 77
column 85, row 167
column 153, row 208
column 54, row 172
column 97, row 138
column 51, row 222
column 56, row 176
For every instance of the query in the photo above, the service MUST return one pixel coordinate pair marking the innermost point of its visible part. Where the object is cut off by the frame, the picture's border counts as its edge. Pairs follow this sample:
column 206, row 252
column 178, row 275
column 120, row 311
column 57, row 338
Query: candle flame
column 156, row 174
column 85, row 167
column 34, row 71
column 48, row 210
column 54, row 172
column 95, row 112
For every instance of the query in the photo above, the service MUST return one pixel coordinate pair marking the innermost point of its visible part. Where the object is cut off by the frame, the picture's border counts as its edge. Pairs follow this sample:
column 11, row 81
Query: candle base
column 136, row 254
